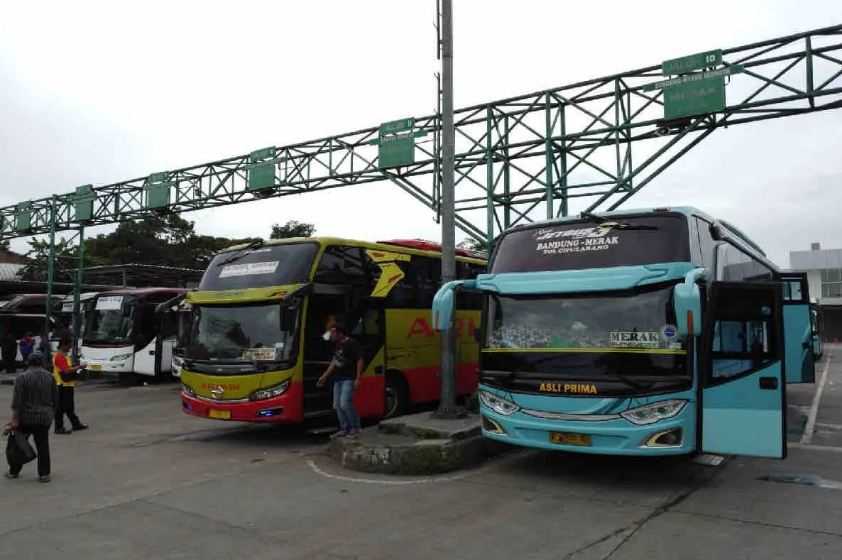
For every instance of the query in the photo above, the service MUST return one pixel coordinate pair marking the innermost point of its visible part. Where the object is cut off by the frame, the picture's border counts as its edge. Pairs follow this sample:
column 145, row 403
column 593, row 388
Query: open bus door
column 798, row 329
column 743, row 395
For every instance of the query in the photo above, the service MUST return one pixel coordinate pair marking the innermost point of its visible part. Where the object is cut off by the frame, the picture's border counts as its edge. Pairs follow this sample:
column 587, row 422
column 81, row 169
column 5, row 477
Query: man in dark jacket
column 32, row 412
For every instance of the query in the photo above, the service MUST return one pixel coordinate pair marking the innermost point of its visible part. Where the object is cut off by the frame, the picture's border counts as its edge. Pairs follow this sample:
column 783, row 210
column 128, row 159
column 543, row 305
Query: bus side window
column 732, row 265
column 342, row 265
column 742, row 342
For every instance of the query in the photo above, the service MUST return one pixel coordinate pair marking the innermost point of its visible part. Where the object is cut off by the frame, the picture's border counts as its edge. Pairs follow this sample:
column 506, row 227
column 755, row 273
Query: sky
column 98, row 92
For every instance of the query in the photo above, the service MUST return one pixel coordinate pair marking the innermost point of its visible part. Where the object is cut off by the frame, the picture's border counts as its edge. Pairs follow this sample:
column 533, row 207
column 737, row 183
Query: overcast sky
column 97, row 92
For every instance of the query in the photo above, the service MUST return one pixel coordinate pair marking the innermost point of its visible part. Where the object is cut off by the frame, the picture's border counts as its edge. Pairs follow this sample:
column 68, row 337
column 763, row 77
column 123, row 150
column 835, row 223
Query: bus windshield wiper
column 241, row 253
column 603, row 221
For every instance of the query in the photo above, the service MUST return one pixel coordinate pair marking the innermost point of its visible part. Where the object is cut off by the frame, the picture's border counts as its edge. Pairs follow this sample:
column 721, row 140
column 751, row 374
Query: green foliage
column 292, row 228
column 475, row 245
column 39, row 253
column 163, row 240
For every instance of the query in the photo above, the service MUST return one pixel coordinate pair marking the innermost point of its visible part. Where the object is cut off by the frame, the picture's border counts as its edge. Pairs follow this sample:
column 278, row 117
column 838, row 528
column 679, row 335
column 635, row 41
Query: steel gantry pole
column 77, row 288
column 51, row 268
column 447, row 405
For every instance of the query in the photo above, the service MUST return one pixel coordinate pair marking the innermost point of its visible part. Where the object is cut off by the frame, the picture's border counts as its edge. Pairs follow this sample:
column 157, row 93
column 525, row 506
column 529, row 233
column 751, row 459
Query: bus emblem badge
column 217, row 392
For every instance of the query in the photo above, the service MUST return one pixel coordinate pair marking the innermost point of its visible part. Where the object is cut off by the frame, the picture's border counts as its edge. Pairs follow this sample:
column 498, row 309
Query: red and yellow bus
column 251, row 346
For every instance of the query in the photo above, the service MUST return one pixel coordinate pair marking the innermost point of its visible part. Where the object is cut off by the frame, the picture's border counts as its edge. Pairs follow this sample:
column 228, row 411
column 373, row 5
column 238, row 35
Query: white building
column 824, row 277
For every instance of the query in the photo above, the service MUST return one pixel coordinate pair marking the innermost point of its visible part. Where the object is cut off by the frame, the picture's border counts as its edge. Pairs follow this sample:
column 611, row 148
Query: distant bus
column 21, row 324
column 254, row 349
column 652, row 332
column 124, row 334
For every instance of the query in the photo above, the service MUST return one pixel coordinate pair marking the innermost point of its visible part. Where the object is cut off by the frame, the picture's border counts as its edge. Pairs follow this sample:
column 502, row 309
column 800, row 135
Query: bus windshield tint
column 246, row 333
column 110, row 324
column 265, row 266
column 628, row 241
column 628, row 334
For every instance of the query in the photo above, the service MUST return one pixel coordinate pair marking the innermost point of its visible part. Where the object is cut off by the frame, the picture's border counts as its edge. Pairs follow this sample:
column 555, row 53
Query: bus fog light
column 654, row 412
column 670, row 438
column 498, row 404
column 490, row 425
column 270, row 392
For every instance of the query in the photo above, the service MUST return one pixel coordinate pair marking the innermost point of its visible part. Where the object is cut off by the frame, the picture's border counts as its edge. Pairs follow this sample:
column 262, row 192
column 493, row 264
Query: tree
column 66, row 254
column 472, row 244
column 292, row 228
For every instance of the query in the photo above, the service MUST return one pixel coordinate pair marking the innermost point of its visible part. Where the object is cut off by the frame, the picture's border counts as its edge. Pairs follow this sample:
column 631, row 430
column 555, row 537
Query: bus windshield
column 247, row 333
column 628, row 241
column 275, row 265
column 110, row 321
column 624, row 334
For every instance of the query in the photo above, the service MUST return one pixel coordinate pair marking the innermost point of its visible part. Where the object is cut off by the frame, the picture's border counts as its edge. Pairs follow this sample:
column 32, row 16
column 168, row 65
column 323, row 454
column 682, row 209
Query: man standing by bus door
column 346, row 368
column 64, row 375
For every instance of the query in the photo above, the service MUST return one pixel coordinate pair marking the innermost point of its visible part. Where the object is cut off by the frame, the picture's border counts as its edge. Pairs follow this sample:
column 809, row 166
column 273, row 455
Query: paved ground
column 149, row 482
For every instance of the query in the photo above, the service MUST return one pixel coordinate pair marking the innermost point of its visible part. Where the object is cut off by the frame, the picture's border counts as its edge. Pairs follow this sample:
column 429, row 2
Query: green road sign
column 261, row 171
column 396, row 151
column 83, row 202
column 694, row 97
column 158, row 190
column 698, row 61
column 400, row 125
column 727, row 71
column 23, row 216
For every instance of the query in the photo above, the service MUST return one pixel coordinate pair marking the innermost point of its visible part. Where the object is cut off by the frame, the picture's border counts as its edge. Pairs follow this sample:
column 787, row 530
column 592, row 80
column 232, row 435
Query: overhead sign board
column 400, row 125
column 695, row 97
column 83, row 202
column 396, row 141
column 261, row 171
column 698, row 61
column 158, row 190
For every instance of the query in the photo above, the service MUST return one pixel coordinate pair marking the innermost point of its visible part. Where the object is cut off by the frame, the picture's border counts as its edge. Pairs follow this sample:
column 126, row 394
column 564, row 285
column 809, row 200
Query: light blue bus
column 650, row 332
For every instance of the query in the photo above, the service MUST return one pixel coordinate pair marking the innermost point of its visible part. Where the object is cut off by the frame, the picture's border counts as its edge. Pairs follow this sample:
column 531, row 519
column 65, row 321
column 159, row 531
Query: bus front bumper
column 608, row 437
column 108, row 366
column 285, row 408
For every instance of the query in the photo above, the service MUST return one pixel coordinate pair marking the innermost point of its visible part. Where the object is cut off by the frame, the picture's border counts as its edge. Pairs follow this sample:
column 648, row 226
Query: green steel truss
column 585, row 146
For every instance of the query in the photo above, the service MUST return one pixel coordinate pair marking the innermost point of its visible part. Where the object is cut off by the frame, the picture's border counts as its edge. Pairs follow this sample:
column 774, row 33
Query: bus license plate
column 219, row 414
column 94, row 367
column 568, row 438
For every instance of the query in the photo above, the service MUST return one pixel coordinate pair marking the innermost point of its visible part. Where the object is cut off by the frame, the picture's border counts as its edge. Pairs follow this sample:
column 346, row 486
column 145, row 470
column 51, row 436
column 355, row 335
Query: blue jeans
column 343, row 402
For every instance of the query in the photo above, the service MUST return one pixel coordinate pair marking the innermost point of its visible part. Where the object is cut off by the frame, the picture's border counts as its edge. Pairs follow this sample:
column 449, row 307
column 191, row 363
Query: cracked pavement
column 148, row 482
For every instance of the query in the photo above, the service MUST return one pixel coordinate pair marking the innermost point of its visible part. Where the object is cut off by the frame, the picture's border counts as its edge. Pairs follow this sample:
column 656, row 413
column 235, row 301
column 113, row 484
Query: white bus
column 124, row 335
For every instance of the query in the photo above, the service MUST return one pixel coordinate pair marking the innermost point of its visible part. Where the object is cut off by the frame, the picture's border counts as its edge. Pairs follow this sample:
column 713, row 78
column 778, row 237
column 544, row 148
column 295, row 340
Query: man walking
column 32, row 413
column 346, row 368
column 64, row 375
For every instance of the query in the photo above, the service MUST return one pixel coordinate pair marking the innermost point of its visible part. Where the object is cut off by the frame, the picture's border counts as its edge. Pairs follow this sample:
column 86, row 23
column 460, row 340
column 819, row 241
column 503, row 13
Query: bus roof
column 686, row 210
column 141, row 291
column 396, row 246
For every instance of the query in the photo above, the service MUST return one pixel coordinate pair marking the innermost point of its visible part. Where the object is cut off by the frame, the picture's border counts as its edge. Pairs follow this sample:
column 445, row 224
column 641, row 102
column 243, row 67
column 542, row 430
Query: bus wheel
column 397, row 395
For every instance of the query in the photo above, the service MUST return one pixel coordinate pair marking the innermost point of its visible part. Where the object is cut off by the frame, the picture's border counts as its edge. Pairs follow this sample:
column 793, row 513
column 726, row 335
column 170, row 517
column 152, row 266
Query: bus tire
column 397, row 395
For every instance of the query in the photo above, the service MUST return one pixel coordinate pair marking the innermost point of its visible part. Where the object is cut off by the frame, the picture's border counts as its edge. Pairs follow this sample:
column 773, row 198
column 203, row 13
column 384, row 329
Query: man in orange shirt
column 64, row 374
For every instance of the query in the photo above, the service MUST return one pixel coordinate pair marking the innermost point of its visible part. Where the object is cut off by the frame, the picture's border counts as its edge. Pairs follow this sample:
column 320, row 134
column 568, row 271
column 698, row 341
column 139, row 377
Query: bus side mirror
column 687, row 301
column 443, row 304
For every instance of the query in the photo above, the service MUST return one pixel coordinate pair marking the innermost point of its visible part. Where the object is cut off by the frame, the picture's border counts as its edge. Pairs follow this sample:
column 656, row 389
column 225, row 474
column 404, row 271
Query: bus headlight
column 498, row 404
column 187, row 390
column 270, row 392
column 654, row 412
column 120, row 357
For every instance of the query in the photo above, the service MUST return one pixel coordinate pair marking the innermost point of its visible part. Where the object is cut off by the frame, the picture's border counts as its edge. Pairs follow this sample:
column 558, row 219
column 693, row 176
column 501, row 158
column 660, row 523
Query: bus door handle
column 769, row 383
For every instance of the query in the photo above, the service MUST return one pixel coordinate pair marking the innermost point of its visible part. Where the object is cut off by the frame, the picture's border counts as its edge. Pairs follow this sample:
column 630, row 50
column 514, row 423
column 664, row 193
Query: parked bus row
column 645, row 332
